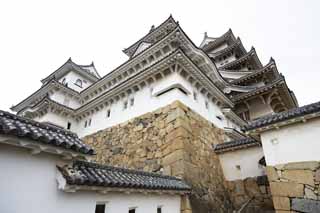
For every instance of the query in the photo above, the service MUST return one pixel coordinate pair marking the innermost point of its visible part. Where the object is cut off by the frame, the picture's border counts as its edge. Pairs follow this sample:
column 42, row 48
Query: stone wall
column 295, row 186
column 173, row 140
column 253, row 194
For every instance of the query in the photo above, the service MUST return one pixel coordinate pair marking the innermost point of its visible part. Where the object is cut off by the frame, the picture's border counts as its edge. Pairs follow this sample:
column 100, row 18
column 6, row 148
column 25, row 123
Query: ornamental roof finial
column 152, row 28
column 271, row 60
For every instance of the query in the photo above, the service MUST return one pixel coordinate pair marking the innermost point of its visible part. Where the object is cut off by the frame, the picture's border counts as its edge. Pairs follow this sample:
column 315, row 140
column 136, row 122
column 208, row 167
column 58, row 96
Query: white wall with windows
column 150, row 98
column 240, row 164
column 75, row 81
column 159, row 94
column 34, row 178
column 65, row 99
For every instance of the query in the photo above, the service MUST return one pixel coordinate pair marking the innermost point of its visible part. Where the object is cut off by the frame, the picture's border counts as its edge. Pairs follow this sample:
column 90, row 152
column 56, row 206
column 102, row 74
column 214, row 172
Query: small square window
column 125, row 105
column 195, row 96
column 132, row 210
column 100, row 208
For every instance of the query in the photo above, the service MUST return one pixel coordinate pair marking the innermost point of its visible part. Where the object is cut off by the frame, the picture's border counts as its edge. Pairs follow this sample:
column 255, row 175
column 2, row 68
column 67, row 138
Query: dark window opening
column 100, row 208
column 69, row 126
column 195, row 96
column 207, row 104
column 85, row 124
column 168, row 90
column 131, row 101
column 125, row 105
column 78, row 83
column 219, row 117
column 108, row 113
column 89, row 124
column 159, row 210
column 132, row 210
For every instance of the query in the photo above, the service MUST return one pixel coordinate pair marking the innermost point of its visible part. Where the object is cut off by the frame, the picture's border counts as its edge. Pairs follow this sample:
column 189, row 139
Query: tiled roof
column 82, row 173
column 235, row 145
column 283, row 116
column 14, row 125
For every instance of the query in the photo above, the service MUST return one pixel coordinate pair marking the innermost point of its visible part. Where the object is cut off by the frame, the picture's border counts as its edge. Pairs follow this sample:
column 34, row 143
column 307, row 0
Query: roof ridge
column 132, row 171
column 38, row 124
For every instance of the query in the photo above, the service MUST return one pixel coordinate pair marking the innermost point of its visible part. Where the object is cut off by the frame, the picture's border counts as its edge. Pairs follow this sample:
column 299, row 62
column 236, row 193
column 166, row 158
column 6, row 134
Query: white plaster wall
column 144, row 102
column 59, row 120
column 293, row 143
column 28, row 184
column 65, row 99
column 258, row 108
column 247, row 159
column 71, row 78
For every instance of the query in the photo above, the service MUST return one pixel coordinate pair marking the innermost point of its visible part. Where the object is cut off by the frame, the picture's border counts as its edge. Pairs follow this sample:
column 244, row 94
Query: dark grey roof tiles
column 14, row 125
column 92, row 174
column 283, row 116
column 235, row 145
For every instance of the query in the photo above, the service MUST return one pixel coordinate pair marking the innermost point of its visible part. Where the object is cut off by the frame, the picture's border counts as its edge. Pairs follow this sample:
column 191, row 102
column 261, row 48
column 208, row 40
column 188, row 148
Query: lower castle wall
column 175, row 141
column 252, row 193
column 295, row 186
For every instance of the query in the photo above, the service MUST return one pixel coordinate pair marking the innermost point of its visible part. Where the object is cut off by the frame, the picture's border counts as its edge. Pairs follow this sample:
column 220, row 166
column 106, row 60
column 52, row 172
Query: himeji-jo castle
column 217, row 129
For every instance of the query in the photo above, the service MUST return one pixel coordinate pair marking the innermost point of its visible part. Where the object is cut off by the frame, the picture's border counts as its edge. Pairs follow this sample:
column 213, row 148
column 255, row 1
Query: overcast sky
column 37, row 37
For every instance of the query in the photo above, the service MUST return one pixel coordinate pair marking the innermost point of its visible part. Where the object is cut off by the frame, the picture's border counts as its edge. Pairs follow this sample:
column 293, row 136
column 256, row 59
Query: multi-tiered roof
column 244, row 71
column 220, row 68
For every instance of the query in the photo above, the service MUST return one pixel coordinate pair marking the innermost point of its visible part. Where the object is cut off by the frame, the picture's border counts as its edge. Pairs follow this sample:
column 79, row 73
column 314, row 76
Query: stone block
column 309, row 165
column 317, row 175
column 272, row 173
column 177, row 168
column 281, row 203
column 179, row 132
column 286, row 189
column 299, row 176
column 305, row 205
column 251, row 187
column 173, row 157
column 309, row 194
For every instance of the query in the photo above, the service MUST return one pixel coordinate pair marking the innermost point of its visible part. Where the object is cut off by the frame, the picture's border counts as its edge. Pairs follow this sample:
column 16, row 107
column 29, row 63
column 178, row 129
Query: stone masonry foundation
column 176, row 141
column 172, row 140
column 295, row 186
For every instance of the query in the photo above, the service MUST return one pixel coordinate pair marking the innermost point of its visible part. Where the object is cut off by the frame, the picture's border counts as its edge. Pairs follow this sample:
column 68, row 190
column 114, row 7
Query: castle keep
column 183, row 110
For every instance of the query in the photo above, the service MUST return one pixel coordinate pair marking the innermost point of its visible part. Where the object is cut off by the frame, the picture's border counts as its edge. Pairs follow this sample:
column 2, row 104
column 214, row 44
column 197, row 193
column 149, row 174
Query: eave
column 46, row 103
column 132, row 48
column 238, row 44
column 270, row 67
column 42, row 92
column 211, row 45
column 68, row 66
column 143, row 73
column 233, row 133
column 37, row 148
column 234, row 117
column 280, row 124
column 258, row 91
column 250, row 55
